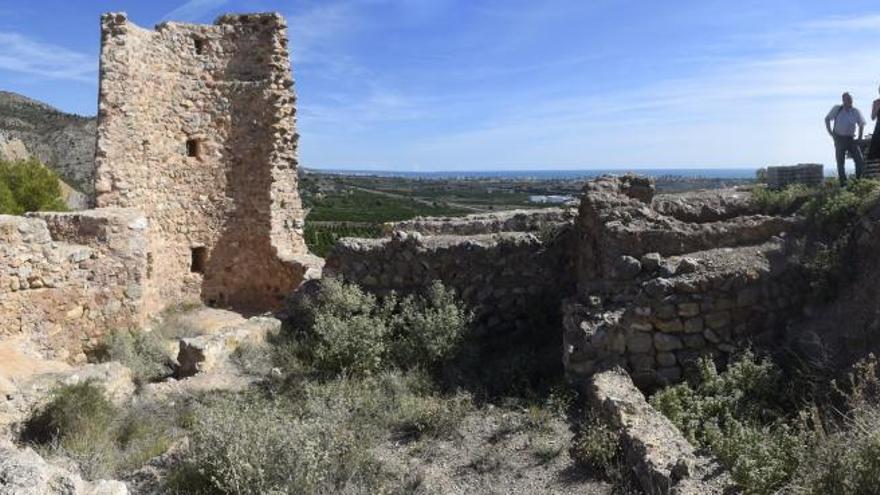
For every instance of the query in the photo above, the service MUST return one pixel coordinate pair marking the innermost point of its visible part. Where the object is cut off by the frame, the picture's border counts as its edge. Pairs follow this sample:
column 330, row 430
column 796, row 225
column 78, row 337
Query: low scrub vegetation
column 146, row 354
column 349, row 372
column 772, row 439
column 315, row 437
column 829, row 207
column 597, row 447
column 352, row 379
column 784, row 201
column 28, row 186
column 80, row 423
column 342, row 329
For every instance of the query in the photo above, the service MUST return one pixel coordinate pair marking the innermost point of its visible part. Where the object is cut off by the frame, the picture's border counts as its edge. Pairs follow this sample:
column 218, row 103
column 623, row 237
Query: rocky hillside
column 65, row 142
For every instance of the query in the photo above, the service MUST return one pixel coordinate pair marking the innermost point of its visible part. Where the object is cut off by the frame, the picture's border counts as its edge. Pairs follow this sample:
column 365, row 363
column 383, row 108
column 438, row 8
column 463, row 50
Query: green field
column 321, row 237
column 357, row 205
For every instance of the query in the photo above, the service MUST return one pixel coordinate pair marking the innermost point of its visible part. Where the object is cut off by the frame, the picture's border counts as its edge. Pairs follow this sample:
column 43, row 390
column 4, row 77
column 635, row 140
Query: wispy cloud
column 19, row 53
column 871, row 22
column 194, row 10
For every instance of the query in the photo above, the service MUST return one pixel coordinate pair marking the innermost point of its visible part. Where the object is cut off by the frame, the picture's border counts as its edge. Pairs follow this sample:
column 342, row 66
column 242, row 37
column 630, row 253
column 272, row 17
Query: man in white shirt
column 846, row 118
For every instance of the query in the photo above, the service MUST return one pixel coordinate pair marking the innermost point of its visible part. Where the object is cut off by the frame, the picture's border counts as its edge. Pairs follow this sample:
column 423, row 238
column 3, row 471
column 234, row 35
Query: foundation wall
column 508, row 279
column 67, row 279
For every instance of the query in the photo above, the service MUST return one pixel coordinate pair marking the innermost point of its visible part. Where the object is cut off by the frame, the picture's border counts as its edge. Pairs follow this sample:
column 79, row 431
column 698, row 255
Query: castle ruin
column 196, row 128
column 196, row 183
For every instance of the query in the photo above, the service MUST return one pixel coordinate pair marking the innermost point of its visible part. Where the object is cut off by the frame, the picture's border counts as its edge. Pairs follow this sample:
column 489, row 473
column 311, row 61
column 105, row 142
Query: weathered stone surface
column 505, row 277
column 68, row 278
column 693, row 325
column 627, row 268
column 486, row 223
column 665, row 342
column 23, row 395
column 196, row 127
column 651, row 261
column 688, row 310
column 718, row 319
column 669, row 326
column 660, row 457
column 24, row 472
column 711, row 275
column 639, row 342
column 206, row 352
column 665, row 359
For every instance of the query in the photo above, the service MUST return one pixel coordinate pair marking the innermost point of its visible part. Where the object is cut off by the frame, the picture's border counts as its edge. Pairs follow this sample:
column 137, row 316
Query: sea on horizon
column 704, row 173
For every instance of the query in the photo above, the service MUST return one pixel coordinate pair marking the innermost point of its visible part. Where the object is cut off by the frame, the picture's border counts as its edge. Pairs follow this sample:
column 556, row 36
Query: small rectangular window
column 199, row 45
column 193, row 148
column 199, row 260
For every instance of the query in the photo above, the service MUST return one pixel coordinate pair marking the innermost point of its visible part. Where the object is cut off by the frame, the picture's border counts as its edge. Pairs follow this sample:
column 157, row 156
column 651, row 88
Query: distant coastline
column 702, row 173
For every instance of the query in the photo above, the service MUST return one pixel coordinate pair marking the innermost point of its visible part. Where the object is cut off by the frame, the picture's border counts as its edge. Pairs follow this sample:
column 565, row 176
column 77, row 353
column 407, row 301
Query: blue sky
column 551, row 84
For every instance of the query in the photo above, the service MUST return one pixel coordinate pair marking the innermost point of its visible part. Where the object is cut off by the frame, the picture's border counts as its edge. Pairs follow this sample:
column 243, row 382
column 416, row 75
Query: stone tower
column 196, row 127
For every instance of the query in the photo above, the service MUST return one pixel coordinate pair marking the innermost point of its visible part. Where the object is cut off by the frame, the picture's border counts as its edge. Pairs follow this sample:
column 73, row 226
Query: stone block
column 717, row 319
column 711, row 336
column 205, row 352
column 651, row 261
column 693, row 341
column 693, row 325
column 658, row 455
column 639, row 342
column 688, row 310
column 627, row 268
column 641, row 362
column 666, row 343
column 669, row 326
column 665, row 311
column 665, row 359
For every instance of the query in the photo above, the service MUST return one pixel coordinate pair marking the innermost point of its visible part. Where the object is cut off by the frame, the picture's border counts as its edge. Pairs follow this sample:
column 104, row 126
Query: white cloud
column 19, row 53
column 867, row 22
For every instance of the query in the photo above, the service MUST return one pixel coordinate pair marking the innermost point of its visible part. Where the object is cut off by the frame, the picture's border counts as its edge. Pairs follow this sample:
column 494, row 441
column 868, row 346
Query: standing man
column 846, row 117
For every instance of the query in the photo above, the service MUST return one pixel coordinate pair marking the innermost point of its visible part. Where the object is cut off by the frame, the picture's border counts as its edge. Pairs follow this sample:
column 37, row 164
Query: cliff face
column 64, row 142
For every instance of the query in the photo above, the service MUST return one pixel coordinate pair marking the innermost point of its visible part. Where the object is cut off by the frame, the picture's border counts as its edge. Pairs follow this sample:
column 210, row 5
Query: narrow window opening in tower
column 199, row 45
column 199, row 260
column 193, row 148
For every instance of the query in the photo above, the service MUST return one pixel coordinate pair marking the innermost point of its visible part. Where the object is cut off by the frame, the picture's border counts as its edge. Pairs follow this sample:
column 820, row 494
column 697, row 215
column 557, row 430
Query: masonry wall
column 66, row 279
column 226, row 224
column 656, row 293
column 509, row 279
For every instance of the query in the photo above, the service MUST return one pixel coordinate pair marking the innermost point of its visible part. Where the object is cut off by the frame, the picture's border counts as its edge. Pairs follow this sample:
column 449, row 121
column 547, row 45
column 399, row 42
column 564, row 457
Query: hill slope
column 65, row 142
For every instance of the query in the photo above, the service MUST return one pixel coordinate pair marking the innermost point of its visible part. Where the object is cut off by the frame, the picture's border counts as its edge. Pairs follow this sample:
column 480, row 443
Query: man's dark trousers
column 842, row 144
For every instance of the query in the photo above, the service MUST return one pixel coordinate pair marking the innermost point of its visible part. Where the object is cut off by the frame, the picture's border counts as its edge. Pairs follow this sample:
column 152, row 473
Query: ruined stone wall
column 536, row 221
column 66, row 279
column 196, row 128
column 656, row 293
column 508, row 279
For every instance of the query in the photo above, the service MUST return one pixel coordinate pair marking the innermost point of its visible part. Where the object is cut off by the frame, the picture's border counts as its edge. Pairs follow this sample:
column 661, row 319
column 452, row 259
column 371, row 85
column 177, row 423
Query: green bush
column 320, row 238
column 428, row 329
column 784, row 201
column 597, row 446
column 28, row 186
column 344, row 329
column 746, row 416
column 846, row 457
column 104, row 440
column 833, row 208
